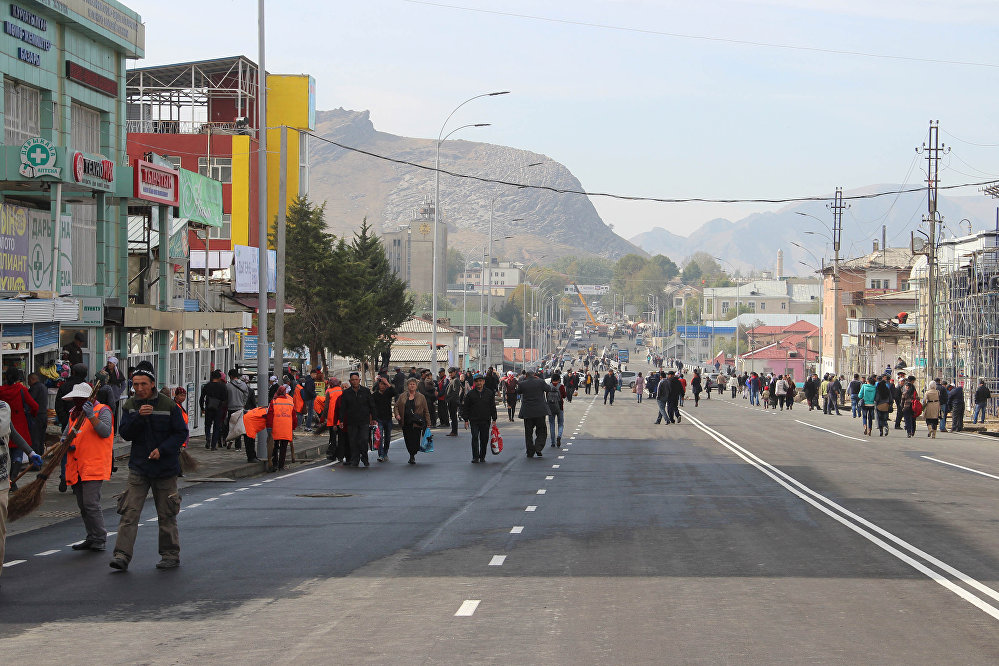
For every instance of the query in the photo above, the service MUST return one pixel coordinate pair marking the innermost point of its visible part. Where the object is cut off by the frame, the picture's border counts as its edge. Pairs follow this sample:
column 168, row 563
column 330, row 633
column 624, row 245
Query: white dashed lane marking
column 46, row 553
column 549, row 478
column 555, row 466
column 212, row 499
column 196, row 504
column 531, row 508
column 13, row 563
column 542, row 491
column 467, row 608
column 517, row 529
column 497, row 560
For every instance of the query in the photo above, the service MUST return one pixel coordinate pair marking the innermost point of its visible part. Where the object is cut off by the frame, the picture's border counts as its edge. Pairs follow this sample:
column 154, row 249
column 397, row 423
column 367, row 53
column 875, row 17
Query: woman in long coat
column 413, row 415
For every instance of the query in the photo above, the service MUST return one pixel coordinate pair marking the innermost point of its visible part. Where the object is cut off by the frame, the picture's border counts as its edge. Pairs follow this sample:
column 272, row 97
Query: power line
column 704, row 38
column 625, row 197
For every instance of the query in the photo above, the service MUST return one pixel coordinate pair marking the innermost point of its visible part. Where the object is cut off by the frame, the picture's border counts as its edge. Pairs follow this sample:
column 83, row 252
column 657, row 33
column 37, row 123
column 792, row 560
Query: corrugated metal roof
column 420, row 325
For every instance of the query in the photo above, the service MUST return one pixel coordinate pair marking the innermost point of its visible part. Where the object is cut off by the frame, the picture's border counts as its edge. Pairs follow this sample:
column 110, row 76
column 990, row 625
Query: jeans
column 979, row 411
column 754, row 397
column 535, row 434
column 611, row 392
column 883, row 420
column 480, row 439
column 308, row 414
column 638, row 393
column 910, row 422
column 386, row 427
column 167, row 501
column 943, row 417
column 560, row 417
column 867, row 413
column 672, row 411
column 854, row 405
column 663, row 414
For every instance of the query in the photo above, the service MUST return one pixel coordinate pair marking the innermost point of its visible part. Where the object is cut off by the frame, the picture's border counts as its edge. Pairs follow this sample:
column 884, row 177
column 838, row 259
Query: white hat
column 273, row 378
column 81, row 390
column 113, row 359
column 509, row 373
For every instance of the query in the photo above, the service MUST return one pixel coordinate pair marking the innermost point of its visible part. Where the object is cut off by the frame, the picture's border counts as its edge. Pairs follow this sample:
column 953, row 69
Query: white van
column 578, row 335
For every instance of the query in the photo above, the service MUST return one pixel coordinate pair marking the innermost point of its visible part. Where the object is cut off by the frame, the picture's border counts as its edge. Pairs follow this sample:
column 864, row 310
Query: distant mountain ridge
column 751, row 243
column 528, row 223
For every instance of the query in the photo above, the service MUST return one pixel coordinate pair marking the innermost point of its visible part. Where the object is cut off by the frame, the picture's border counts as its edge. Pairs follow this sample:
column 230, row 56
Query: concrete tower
column 780, row 264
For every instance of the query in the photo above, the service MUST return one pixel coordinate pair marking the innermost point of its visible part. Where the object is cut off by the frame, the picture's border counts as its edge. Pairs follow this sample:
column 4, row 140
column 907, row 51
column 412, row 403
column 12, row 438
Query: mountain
column 751, row 243
column 538, row 222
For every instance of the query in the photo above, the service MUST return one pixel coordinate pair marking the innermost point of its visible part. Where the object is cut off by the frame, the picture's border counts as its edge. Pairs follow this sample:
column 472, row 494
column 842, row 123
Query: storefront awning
column 251, row 302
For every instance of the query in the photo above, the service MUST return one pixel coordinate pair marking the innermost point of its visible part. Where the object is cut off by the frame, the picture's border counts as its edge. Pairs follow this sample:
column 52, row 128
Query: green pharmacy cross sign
column 38, row 158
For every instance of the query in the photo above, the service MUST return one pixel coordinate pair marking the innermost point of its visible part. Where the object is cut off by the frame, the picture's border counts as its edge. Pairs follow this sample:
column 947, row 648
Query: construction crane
column 593, row 320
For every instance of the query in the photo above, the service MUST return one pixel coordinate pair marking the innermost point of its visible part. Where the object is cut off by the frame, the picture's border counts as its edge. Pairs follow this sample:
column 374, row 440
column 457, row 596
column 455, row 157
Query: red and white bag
column 495, row 440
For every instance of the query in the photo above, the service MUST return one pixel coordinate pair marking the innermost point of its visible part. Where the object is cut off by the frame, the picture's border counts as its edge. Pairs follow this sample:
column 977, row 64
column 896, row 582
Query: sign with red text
column 95, row 171
column 157, row 184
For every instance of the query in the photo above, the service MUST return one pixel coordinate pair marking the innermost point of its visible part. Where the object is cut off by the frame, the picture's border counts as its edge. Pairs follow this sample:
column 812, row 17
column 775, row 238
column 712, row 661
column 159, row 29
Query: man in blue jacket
column 155, row 425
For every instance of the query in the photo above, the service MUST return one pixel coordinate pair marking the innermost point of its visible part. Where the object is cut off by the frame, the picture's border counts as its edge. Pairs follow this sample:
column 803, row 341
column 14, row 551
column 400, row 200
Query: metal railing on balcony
column 186, row 127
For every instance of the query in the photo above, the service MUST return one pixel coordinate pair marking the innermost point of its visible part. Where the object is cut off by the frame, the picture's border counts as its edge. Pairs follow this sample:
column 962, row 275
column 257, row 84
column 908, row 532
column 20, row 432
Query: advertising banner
column 40, row 252
column 200, row 199
column 13, row 248
column 247, row 270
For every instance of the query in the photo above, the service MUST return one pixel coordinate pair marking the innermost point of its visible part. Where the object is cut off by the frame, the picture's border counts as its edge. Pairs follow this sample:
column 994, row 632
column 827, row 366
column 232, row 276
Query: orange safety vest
column 332, row 397
column 254, row 421
column 299, row 400
column 284, row 415
column 91, row 459
column 318, row 404
column 187, row 421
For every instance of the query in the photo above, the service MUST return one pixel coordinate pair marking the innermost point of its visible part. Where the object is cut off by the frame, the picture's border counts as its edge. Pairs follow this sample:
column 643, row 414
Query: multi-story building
column 506, row 277
column 65, row 184
column 410, row 251
column 785, row 296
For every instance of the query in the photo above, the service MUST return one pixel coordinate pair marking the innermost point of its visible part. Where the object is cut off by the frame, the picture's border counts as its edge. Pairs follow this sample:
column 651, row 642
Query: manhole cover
column 325, row 495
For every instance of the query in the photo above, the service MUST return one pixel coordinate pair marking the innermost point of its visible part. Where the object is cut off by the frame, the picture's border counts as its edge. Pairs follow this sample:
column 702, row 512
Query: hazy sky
column 632, row 110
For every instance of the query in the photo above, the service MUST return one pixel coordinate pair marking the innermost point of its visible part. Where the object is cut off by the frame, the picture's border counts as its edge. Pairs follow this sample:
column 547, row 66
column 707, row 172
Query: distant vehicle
column 623, row 356
column 627, row 378
column 578, row 335
column 639, row 340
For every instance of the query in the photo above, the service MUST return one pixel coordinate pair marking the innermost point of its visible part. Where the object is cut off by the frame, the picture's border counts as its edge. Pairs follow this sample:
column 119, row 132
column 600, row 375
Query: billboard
column 588, row 289
column 247, row 273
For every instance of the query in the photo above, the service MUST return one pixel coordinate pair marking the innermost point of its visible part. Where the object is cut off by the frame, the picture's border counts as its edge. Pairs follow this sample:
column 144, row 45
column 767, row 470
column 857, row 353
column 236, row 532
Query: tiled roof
column 892, row 257
column 420, row 325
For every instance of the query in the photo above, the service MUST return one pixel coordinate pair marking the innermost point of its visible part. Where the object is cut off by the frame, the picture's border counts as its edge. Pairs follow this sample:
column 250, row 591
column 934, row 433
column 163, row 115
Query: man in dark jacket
column 358, row 414
column 40, row 394
column 479, row 409
column 955, row 403
column 534, row 411
column 399, row 381
column 943, row 389
column 492, row 380
column 662, row 397
column 896, row 396
column 428, row 387
column 982, row 397
column 454, row 394
column 673, row 396
column 609, row 383
column 309, row 397
column 214, row 400
column 155, row 425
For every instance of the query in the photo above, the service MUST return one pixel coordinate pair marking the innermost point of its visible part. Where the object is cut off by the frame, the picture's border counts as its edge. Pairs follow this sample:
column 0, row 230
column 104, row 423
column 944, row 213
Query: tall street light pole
column 263, row 348
column 437, row 200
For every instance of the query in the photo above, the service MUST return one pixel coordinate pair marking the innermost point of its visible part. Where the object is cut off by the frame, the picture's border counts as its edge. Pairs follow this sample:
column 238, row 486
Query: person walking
column 609, row 384
column 236, row 392
column 357, row 416
column 867, row 399
column 428, row 387
column 442, row 411
column 676, row 390
column 884, row 401
column 337, row 450
column 88, row 462
column 478, row 410
column 309, row 397
column 556, row 406
column 909, row 394
column 835, row 393
column 982, row 397
column 931, row 409
column 383, row 400
column 696, row 386
column 455, row 395
column 413, row 416
column 23, row 409
column 281, row 419
column 780, row 391
column 639, row 387
column 663, row 389
column 213, row 408
column 509, row 385
column 588, row 382
column 37, row 426
column 896, row 393
column 534, row 411
column 944, row 389
column 853, row 390
column 154, row 425
column 955, row 405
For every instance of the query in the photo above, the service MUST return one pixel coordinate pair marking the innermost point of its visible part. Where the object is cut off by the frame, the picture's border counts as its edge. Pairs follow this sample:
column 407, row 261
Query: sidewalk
column 222, row 466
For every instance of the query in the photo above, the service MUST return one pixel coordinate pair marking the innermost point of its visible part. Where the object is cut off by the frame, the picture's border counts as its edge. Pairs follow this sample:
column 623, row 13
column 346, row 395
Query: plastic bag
column 236, row 426
column 374, row 437
column 495, row 440
column 427, row 441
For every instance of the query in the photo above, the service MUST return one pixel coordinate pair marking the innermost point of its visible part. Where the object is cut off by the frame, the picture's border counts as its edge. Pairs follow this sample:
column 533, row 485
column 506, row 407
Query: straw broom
column 26, row 499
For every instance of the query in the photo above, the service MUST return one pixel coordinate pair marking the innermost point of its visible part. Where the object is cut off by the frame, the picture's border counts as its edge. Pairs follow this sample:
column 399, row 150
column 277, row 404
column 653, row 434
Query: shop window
column 22, row 109
column 223, row 232
column 86, row 129
column 220, row 168
column 84, row 243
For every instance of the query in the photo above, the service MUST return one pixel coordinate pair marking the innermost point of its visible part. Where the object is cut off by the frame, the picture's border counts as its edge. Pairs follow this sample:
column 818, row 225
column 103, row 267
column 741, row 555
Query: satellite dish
column 917, row 244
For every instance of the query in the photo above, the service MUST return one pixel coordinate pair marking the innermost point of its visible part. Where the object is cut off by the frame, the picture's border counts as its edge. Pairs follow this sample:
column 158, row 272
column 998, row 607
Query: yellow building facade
column 291, row 102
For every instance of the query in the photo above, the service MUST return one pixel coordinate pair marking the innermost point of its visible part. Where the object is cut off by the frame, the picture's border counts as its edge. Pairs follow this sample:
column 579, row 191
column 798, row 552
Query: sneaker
column 83, row 545
column 558, row 442
column 540, row 455
column 167, row 564
column 119, row 563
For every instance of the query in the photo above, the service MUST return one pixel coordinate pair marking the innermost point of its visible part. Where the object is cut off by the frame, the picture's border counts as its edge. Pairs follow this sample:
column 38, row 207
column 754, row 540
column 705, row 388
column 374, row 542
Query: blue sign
column 623, row 355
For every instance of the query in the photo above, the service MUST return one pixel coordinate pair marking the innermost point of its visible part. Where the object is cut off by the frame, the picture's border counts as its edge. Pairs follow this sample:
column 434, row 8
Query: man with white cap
column 88, row 461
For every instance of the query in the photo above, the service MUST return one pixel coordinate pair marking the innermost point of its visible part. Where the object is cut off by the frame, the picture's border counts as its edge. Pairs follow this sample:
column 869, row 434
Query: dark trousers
column 898, row 416
column 280, row 453
column 672, row 411
column 535, row 434
column 442, row 411
column 38, row 435
column 357, row 439
column 611, row 392
column 452, row 409
column 480, row 439
column 957, row 419
column 251, row 448
column 412, row 435
column 511, row 407
column 213, row 428
column 338, row 448
column 432, row 407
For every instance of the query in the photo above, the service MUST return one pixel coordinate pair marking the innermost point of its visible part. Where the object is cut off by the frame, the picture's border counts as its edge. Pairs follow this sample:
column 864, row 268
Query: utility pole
column 281, row 222
column 932, row 151
column 837, row 210
column 263, row 350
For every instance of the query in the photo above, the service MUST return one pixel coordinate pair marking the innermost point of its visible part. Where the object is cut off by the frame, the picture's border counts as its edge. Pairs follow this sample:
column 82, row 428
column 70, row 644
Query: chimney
column 780, row 264
column 875, row 246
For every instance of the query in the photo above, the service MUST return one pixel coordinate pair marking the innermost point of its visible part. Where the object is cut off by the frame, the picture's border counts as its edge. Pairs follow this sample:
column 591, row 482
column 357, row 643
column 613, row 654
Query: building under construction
column 967, row 311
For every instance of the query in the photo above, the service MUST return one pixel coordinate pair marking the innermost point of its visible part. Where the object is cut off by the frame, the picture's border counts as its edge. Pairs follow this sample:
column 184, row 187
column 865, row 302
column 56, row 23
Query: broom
column 28, row 498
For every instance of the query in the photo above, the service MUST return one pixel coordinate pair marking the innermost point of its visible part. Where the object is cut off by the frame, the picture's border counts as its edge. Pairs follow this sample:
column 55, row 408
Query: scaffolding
column 968, row 312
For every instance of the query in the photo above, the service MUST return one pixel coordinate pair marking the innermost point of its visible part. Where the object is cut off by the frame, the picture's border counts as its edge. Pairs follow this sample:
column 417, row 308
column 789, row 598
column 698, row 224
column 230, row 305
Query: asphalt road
column 736, row 536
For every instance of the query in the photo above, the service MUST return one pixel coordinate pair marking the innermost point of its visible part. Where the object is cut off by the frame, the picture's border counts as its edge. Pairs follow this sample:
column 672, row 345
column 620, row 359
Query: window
column 783, row 306
column 175, row 161
column 86, row 129
column 763, row 305
column 225, row 232
column 875, row 284
column 21, row 112
column 220, row 169
column 752, row 306
column 903, row 285
column 724, row 307
column 84, row 243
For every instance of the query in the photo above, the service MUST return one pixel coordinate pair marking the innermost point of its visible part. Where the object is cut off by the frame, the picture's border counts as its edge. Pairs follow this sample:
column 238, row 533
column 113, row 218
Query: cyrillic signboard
column 588, row 289
column 247, row 270
column 155, row 183
column 200, row 199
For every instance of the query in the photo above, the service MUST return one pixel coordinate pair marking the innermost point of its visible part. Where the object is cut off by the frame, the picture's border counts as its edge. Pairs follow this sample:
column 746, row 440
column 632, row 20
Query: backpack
column 917, row 406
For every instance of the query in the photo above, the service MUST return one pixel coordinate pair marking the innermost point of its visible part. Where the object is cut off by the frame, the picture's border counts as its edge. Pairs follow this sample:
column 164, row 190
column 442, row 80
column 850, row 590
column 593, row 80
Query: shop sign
column 38, row 158
column 13, row 248
column 40, row 262
column 200, row 199
column 91, row 313
column 94, row 171
column 91, row 79
column 155, row 183
column 247, row 274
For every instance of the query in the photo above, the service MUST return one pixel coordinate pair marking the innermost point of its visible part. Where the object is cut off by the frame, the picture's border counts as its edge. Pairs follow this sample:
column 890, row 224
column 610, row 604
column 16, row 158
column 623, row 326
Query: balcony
column 186, row 127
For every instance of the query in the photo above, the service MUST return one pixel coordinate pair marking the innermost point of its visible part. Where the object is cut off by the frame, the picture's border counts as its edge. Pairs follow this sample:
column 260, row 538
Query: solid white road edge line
column 302, row 471
column 467, row 607
column 969, row 469
column 859, row 439
column 808, row 495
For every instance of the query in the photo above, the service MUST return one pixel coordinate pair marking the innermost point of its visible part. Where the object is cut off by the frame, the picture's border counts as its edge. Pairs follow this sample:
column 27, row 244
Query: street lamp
column 437, row 198
column 523, row 319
